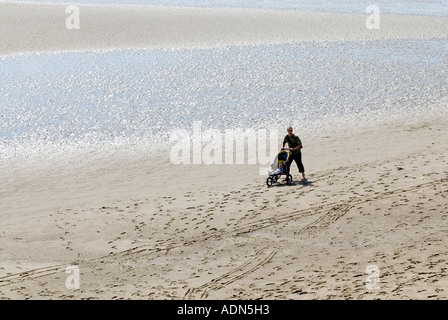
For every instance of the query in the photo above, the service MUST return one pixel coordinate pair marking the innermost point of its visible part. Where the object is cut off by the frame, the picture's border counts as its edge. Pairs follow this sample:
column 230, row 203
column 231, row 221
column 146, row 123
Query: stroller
column 278, row 168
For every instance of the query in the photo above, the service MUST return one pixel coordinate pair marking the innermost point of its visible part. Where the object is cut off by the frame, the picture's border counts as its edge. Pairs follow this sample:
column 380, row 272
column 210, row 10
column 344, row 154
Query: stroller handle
column 287, row 149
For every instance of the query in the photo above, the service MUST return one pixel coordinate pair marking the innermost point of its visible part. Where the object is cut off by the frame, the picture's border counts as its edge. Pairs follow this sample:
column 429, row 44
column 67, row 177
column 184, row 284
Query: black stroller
column 279, row 167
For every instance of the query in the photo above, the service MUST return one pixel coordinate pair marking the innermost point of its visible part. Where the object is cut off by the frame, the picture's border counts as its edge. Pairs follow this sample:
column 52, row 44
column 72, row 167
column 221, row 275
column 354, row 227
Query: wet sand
column 42, row 27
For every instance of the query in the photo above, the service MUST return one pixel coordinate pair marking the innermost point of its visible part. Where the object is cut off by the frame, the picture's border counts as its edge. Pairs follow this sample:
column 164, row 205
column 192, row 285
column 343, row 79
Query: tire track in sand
column 259, row 260
column 335, row 211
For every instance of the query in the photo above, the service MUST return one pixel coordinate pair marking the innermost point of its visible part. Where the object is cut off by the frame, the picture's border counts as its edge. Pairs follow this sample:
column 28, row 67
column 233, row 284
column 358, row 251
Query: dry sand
column 218, row 232
column 139, row 231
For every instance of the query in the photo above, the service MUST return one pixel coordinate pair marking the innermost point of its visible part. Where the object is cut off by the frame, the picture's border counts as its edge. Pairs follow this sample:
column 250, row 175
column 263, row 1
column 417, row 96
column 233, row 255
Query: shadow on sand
column 282, row 183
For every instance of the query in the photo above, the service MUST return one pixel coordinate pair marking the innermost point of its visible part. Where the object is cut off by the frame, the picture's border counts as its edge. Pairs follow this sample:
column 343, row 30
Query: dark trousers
column 298, row 159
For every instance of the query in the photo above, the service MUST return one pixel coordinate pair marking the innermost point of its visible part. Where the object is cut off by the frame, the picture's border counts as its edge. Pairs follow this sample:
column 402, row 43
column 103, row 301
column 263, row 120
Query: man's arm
column 299, row 144
column 297, row 147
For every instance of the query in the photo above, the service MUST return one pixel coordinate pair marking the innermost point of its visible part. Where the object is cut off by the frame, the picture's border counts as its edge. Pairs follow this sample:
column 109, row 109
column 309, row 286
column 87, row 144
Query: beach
column 135, row 225
column 41, row 27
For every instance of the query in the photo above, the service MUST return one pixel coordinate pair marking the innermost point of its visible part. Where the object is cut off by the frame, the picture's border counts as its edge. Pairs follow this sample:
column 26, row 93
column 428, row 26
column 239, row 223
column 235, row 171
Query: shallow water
column 68, row 109
column 101, row 96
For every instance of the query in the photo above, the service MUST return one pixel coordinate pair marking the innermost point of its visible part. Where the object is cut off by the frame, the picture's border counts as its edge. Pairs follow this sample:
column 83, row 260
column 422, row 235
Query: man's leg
column 288, row 163
column 298, row 160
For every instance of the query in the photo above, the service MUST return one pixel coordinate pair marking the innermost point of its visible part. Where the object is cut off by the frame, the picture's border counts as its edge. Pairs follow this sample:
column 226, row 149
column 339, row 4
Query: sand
column 218, row 232
column 42, row 27
column 376, row 197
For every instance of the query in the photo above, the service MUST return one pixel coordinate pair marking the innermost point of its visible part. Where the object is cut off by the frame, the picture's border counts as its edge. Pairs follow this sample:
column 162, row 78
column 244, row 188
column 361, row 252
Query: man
column 294, row 145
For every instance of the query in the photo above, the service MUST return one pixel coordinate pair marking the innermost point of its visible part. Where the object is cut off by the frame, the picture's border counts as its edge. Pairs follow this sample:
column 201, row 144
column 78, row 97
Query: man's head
column 289, row 131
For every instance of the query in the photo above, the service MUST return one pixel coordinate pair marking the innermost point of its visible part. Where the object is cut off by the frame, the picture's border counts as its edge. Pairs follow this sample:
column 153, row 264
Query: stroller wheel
column 269, row 181
column 289, row 179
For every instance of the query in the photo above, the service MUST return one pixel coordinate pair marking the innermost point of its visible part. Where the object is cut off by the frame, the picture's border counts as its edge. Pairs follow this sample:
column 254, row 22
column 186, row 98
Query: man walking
column 294, row 145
